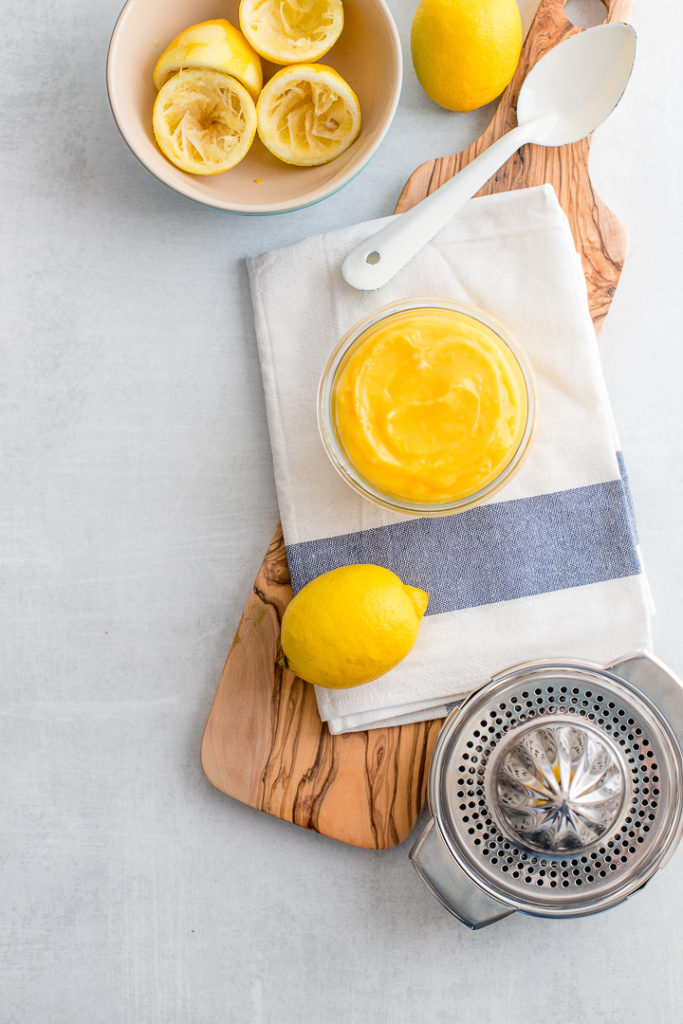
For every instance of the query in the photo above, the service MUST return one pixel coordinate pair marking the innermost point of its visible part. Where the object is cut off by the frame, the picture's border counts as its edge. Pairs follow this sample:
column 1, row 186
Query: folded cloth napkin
column 548, row 567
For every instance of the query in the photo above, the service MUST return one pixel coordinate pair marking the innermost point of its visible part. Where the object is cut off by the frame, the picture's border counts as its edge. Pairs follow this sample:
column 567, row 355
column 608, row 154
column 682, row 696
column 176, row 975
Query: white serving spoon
column 565, row 96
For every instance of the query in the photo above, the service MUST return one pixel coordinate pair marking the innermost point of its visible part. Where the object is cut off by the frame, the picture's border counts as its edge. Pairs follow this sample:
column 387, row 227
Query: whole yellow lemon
column 351, row 625
column 465, row 51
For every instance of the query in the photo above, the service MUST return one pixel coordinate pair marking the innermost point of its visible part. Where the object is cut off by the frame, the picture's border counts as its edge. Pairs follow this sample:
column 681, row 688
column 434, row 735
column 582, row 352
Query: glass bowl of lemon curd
column 427, row 407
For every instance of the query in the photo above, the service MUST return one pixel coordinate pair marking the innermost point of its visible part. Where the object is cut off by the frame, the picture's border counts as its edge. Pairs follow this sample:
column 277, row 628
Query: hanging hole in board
column 585, row 13
column 372, row 258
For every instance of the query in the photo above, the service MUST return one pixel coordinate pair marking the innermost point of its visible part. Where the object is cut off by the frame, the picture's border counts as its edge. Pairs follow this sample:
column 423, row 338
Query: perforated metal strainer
column 555, row 790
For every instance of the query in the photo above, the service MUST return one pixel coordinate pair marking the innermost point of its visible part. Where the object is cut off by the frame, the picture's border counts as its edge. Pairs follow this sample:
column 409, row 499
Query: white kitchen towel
column 550, row 566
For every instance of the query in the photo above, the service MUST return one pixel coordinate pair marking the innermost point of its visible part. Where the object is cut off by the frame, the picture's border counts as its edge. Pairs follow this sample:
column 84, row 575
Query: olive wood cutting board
column 264, row 743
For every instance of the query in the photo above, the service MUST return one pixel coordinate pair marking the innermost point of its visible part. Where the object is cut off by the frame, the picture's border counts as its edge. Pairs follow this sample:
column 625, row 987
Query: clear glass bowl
column 330, row 434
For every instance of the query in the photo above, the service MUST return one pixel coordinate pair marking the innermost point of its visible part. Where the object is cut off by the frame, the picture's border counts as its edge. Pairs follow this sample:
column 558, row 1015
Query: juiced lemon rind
column 286, row 32
column 204, row 121
column 216, row 45
column 308, row 115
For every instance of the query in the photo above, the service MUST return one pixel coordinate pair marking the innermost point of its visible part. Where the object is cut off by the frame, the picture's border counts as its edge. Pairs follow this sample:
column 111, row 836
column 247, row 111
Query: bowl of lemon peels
column 258, row 106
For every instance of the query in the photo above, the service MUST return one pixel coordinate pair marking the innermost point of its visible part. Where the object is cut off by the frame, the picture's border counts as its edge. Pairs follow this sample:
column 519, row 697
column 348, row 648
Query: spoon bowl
column 575, row 86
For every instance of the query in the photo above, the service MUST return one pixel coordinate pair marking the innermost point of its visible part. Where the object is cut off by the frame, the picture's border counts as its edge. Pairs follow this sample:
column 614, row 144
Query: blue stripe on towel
column 496, row 552
column 628, row 496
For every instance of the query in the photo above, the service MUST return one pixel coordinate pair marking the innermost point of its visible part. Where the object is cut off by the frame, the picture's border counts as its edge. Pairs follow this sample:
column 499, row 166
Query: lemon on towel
column 351, row 625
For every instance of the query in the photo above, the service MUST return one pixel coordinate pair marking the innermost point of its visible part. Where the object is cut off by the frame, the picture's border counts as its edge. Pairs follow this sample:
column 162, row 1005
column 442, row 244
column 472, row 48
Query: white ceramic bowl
column 367, row 55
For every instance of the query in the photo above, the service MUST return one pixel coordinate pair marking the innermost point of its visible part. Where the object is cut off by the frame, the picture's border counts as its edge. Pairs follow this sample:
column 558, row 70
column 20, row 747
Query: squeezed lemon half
column 204, row 121
column 217, row 45
column 308, row 115
column 291, row 31
column 351, row 625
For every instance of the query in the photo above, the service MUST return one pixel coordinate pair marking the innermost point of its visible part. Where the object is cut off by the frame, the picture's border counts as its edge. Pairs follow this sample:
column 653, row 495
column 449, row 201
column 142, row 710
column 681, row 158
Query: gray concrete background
column 136, row 504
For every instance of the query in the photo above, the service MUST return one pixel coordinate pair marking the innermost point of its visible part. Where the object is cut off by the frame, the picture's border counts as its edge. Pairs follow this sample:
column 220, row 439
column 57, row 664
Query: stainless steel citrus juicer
column 555, row 790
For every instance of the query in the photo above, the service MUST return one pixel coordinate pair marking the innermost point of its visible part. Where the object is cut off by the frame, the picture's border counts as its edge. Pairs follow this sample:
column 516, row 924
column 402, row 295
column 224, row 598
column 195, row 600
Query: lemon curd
column 430, row 406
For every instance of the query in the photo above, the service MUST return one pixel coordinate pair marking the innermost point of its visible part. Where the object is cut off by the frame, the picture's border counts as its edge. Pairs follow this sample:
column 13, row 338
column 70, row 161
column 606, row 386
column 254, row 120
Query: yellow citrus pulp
column 429, row 405
column 351, row 625
column 204, row 121
column 308, row 115
column 217, row 45
column 291, row 31
column 465, row 51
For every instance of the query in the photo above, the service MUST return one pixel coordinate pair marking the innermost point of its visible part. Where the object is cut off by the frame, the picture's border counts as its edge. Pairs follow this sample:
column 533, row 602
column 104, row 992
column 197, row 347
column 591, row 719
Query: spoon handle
column 375, row 261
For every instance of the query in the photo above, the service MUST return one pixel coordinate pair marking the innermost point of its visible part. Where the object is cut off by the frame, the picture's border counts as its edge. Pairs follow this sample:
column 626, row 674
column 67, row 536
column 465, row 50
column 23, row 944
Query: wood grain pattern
column 264, row 743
